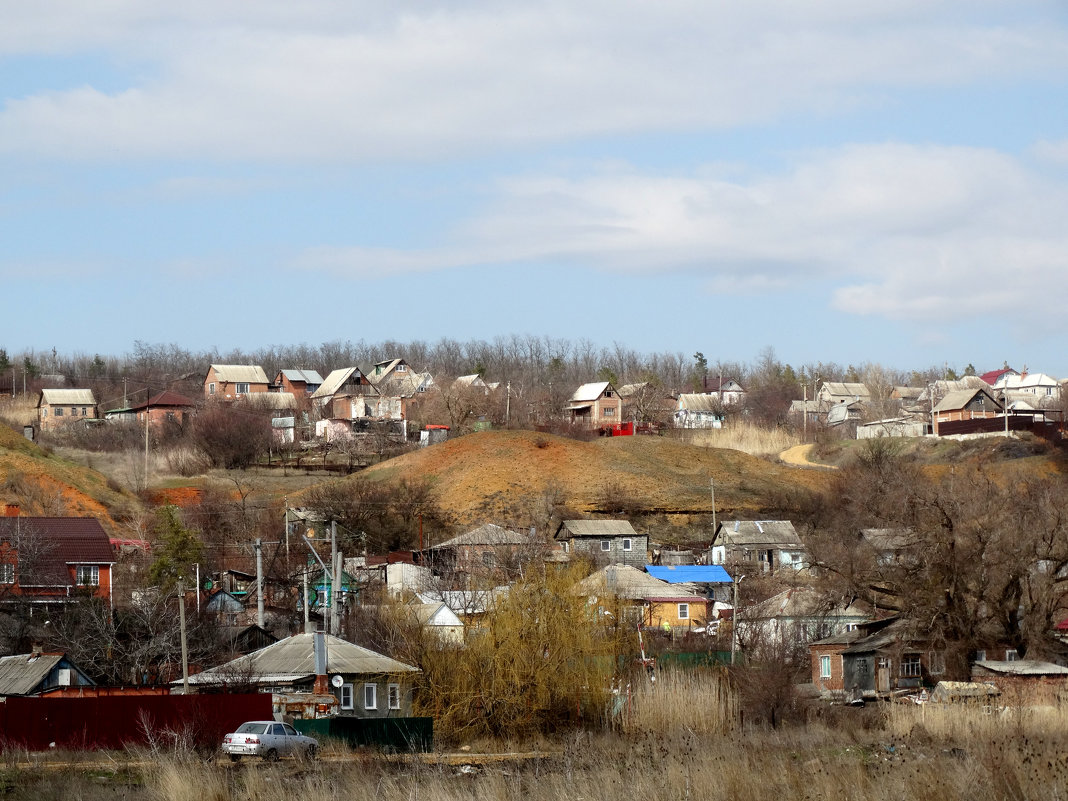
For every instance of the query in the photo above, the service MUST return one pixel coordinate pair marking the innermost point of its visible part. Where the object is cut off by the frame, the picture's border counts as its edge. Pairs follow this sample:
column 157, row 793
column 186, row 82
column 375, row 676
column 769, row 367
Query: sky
column 841, row 181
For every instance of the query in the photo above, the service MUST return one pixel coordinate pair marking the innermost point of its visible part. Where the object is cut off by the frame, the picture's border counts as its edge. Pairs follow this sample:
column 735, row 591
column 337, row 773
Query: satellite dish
column 337, row 681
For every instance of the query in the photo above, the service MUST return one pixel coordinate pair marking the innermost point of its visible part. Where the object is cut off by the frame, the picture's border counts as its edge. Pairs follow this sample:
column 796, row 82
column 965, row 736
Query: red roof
column 60, row 541
column 165, row 398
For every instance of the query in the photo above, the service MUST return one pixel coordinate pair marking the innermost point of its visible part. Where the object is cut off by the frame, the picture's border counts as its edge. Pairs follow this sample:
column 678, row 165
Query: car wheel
column 235, row 757
column 271, row 755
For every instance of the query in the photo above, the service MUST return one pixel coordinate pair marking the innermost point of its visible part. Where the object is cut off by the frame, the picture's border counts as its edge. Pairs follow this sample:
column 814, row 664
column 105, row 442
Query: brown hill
column 498, row 475
column 42, row 483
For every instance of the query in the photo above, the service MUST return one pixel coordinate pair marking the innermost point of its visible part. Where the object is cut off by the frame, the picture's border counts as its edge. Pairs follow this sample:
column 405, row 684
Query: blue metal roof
column 684, row 574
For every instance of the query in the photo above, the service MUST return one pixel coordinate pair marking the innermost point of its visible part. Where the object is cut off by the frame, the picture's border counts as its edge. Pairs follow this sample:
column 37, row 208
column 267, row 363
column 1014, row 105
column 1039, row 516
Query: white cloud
column 358, row 82
column 902, row 232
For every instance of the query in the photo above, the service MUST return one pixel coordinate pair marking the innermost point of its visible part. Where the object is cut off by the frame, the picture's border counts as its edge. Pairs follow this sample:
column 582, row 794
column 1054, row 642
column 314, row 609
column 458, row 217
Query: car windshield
column 252, row 728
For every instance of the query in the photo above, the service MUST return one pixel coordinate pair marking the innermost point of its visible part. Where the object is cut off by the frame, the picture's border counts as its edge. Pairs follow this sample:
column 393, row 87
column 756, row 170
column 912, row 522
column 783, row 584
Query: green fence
column 390, row 734
column 693, row 660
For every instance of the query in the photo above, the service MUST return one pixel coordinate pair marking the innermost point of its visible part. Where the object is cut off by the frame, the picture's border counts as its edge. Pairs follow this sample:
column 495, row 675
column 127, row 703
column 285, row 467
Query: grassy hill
column 496, row 475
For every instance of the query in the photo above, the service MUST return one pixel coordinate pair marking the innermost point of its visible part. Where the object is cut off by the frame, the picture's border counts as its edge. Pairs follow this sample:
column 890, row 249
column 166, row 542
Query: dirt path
column 797, row 456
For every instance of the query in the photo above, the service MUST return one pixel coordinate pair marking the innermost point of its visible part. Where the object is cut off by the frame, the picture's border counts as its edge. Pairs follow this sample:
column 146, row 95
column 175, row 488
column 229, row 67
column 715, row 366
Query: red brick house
column 299, row 382
column 595, row 405
column 45, row 559
column 165, row 407
column 231, row 381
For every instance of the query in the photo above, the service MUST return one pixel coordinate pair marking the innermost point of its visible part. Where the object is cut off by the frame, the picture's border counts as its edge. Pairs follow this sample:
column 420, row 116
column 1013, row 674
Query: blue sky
column 841, row 181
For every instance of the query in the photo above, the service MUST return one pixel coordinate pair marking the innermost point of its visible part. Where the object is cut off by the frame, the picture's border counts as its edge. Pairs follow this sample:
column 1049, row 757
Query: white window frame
column 936, row 663
column 825, row 667
column 1011, row 655
column 980, row 655
column 211, row 388
column 628, row 544
column 608, row 411
column 684, row 611
column 347, row 697
column 87, row 575
column 606, row 545
column 911, row 666
column 7, row 573
column 393, row 696
column 238, row 388
column 370, row 696
column 59, row 411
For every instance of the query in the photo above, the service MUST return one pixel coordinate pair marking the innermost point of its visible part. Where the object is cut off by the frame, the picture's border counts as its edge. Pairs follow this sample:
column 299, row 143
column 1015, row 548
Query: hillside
column 499, row 474
column 43, row 483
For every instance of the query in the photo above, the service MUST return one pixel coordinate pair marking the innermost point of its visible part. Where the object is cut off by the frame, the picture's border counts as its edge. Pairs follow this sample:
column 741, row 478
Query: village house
column 399, row 386
column 793, row 618
column 364, row 684
column 347, row 394
column 299, row 382
column 595, row 405
column 488, row 550
column 640, row 599
column 230, row 381
column 164, row 409
column 605, row 541
column 38, row 673
column 61, row 407
column 54, row 559
column 758, row 546
column 698, row 411
column 965, row 404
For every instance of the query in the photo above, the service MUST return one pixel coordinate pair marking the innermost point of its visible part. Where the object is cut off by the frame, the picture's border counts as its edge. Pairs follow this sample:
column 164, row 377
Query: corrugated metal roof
column 697, row 574
column 596, row 528
column 839, row 389
column 960, row 398
column 307, row 376
column 589, row 392
column 334, row 381
column 275, row 401
column 243, row 373
column 624, row 581
column 1023, row 667
column 294, row 659
column 20, row 675
column 69, row 397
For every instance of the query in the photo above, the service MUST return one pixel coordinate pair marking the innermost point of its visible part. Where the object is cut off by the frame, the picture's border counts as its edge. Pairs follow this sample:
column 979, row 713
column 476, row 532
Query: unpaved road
column 797, row 456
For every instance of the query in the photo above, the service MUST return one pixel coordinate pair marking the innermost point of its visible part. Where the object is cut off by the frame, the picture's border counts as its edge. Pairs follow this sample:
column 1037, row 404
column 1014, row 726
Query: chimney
column 11, row 510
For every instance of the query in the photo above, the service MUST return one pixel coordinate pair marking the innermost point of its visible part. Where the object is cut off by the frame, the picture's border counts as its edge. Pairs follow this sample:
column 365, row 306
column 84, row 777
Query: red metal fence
column 38, row 723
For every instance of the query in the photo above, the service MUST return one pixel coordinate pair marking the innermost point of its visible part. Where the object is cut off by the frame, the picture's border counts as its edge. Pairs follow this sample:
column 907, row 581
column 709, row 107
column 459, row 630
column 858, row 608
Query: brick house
column 165, row 408
column 595, row 405
column 605, row 541
column 345, row 394
column 60, row 407
column 488, row 550
column 54, row 558
column 966, row 404
column 230, row 381
column 298, row 381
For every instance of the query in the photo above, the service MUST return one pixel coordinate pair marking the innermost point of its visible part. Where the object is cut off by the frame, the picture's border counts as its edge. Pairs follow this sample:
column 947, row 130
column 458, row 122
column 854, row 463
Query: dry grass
column 698, row 702
column 745, row 437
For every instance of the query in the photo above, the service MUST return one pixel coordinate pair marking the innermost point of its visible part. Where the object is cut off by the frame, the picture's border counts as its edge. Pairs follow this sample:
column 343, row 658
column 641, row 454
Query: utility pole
column 259, row 583
column 507, row 402
column 712, row 484
column 333, row 569
column 335, row 597
column 185, row 641
column 804, row 411
column 286, row 500
column 734, row 620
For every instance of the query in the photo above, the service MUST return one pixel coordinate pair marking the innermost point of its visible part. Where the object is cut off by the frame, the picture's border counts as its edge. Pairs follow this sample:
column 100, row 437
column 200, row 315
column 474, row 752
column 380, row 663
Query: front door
column 882, row 675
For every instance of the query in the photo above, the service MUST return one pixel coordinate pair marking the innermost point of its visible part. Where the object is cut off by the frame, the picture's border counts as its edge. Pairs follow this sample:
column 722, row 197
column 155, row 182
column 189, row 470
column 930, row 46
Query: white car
column 268, row 739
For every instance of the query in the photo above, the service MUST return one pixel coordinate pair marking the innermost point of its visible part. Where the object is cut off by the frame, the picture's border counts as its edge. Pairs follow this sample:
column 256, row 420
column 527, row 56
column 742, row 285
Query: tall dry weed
column 698, row 702
column 742, row 436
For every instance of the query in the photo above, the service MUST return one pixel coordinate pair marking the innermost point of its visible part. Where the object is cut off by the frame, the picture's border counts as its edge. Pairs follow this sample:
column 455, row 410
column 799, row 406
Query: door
column 882, row 675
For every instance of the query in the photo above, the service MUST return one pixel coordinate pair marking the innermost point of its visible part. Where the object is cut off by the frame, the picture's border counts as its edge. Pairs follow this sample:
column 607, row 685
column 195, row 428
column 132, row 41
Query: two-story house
column 60, row 407
column 232, row 381
column 595, row 405
column 48, row 559
column 762, row 546
column 605, row 541
column 298, row 381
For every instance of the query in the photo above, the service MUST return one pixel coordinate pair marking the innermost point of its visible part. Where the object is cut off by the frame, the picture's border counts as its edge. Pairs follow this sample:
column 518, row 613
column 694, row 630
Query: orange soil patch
column 183, row 497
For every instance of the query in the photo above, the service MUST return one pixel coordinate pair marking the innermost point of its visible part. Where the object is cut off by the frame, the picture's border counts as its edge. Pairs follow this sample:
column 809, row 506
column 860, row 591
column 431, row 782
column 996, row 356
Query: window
column 1011, row 655
column 684, row 611
column 489, row 559
column 211, row 388
column 911, row 665
column 628, row 545
column 84, row 411
column 44, row 411
column 825, row 667
column 608, row 411
column 393, row 693
column 936, row 662
column 401, row 368
column 862, row 668
column 608, row 393
column 980, row 655
column 59, row 411
column 241, row 388
column 87, row 576
column 7, row 573
column 606, row 545
column 370, row 696
column 346, row 696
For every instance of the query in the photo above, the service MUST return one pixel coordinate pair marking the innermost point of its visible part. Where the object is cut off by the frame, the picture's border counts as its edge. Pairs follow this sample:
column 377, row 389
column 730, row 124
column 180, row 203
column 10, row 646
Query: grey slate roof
column 699, row 402
column 20, row 675
column 488, row 534
column 962, row 397
column 595, row 528
column 1022, row 667
column 333, row 382
column 758, row 532
column 294, row 658
column 624, row 581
